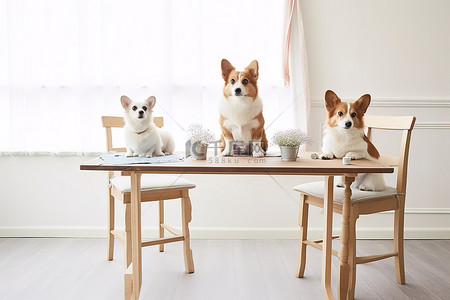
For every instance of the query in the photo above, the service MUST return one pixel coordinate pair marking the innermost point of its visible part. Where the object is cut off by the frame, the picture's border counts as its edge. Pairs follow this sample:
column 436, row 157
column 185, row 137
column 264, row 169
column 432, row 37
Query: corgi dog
column 344, row 137
column 142, row 137
column 241, row 118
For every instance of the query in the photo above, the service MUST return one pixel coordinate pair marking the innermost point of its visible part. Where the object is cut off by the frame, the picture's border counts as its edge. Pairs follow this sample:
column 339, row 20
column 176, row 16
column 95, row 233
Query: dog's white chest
column 140, row 143
column 240, row 113
column 242, row 133
column 340, row 142
column 240, row 110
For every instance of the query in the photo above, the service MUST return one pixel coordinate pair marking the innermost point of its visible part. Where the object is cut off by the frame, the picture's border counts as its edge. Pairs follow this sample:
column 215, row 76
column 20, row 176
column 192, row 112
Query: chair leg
column 303, row 223
column 127, row 247
column 186, row 216
column 110, row 225
column 399, row 221
column 161, row 221
column 352, row 257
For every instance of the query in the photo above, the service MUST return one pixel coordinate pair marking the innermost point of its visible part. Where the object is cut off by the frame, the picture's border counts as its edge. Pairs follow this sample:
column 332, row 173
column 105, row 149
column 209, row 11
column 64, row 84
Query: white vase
column 289, row 153
column 198, row 151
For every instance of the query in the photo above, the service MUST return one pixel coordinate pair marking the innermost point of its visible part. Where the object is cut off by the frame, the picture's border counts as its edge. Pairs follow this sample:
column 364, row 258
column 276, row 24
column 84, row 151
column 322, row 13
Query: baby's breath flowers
column 197, row 134
column 290, row 138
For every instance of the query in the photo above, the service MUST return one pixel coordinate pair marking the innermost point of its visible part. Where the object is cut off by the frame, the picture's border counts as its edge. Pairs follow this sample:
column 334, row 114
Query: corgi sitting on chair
column 142, row 137
column 344, row 137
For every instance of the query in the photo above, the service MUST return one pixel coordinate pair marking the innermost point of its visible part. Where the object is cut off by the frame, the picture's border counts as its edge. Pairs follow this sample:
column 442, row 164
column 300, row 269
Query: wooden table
column 252, row 166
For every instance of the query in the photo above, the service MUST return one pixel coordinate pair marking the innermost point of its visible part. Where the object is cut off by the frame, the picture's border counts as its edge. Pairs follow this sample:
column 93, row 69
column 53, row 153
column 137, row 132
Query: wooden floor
column 230, row 269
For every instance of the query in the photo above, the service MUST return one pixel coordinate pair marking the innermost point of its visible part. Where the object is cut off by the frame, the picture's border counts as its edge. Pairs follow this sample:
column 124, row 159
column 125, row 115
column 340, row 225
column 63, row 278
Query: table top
column 249, row 165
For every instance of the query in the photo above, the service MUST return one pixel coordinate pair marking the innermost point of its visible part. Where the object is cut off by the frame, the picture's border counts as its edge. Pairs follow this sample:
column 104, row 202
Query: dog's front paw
column 257, row 150
column 227, row 152
column 353, row 155
column 258, row 154
column 159, row 154
column 326, row 155
column 131, row 155
column 148, row 154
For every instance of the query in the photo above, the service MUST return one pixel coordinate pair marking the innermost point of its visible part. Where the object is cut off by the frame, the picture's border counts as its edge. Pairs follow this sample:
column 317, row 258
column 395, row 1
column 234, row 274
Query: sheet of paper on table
column 122, row 159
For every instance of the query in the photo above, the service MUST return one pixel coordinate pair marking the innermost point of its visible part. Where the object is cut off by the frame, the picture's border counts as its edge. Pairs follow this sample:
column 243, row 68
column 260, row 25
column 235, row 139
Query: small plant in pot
column 289, row 141
column 199, row 139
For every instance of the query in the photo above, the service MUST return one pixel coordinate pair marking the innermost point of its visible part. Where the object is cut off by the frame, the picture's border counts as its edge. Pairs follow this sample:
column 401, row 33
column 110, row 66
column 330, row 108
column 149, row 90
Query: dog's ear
column 125, row 101
column 331, row 100
column 151, row 101
column 227, row 67
column 252, row 68
column 362, row 103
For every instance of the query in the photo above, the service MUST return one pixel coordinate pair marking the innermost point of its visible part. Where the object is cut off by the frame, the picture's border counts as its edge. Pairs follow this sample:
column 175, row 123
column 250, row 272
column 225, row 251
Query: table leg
column 136, row 256
column 345, row 234
column 327, row 236
column 128, row 278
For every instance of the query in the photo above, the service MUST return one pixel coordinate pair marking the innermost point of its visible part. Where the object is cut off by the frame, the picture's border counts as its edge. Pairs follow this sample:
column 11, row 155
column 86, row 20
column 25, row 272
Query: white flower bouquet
column 197, row 134
column 198, row 141
column 289, row 141
column 290, row 138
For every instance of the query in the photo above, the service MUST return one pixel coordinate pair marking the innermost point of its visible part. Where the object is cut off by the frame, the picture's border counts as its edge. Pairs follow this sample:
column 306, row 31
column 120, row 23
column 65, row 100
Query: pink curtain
column 295, row 65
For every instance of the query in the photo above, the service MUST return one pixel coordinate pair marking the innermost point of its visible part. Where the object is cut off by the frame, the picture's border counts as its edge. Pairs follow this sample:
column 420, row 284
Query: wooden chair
column 155, row 187
column 364, row 202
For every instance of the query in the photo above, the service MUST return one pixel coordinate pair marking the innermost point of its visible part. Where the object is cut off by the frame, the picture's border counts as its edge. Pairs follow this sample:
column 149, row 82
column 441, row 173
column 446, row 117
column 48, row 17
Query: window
column 63, row 64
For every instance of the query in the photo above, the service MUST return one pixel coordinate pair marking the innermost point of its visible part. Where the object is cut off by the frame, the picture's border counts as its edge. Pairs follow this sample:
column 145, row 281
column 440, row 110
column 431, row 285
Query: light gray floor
column 230, row 269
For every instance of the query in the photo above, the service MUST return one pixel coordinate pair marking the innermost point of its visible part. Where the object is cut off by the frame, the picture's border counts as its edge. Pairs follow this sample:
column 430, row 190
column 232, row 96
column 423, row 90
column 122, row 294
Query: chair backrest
column 404, row 124
column 118, row 122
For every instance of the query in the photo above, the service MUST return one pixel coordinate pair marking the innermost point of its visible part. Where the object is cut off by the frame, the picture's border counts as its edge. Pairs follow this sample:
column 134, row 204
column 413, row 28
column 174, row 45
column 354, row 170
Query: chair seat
column 151, row 182
column 316, row 189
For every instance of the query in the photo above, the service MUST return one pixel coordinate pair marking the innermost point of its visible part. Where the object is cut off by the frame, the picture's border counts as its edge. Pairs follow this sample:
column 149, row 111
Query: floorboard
column 64, row 268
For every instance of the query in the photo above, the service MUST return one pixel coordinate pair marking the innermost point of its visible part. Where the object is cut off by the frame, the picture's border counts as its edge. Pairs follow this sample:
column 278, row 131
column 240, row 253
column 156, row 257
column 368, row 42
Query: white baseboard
column 225, row 233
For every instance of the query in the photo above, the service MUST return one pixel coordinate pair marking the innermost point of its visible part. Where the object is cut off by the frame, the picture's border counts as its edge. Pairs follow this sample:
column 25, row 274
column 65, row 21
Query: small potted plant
column 289, row 141
column 199, row 139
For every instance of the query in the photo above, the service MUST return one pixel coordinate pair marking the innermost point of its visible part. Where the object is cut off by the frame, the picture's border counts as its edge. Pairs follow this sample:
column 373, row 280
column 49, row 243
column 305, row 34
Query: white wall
column 391, row 49
column 398, row 51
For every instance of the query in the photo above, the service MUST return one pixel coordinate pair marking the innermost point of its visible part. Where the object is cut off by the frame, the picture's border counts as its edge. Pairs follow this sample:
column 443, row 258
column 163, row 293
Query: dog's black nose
column 348, row 124
column 141, row 112
column 237, row 91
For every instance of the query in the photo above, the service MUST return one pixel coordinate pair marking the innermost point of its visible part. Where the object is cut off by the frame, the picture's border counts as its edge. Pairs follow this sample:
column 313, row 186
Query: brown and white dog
column 344, row 136
column 241, row 117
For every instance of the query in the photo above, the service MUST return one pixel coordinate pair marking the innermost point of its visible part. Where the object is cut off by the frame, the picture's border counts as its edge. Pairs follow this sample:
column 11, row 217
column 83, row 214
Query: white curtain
column 295, row 64
column 64, row 63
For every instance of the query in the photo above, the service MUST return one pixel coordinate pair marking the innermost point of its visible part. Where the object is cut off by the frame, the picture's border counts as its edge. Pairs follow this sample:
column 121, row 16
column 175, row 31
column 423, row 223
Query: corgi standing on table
column 345, row 137
column 241, row 117
column 142, row 137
